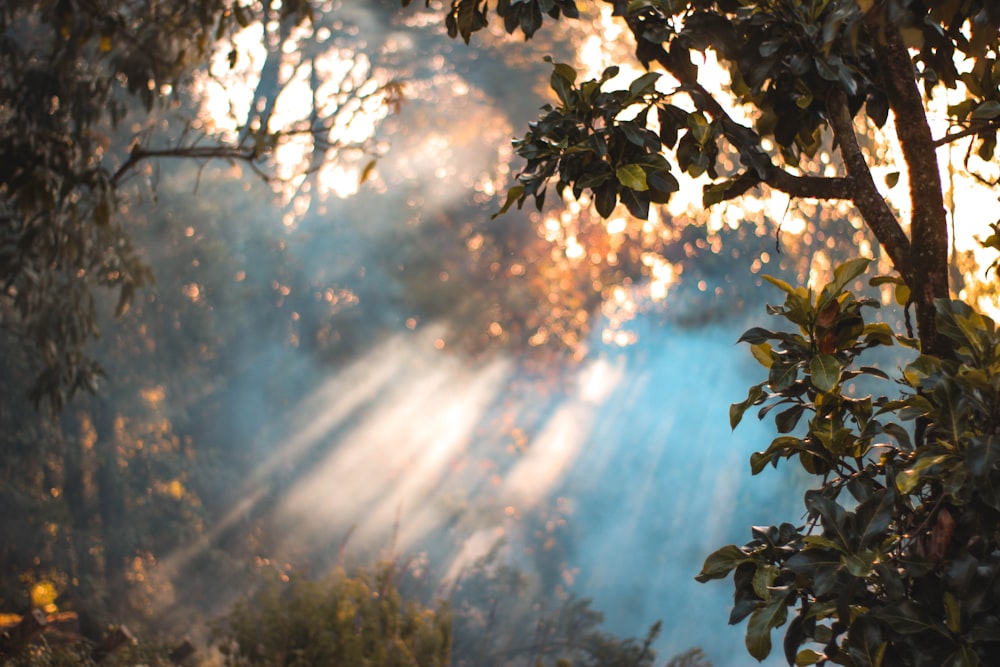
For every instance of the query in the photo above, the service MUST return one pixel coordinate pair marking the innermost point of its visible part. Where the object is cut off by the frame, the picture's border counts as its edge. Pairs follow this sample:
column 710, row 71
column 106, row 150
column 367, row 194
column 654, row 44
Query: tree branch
column 221, row 152
column 975, row 128
column 818, row 187
column 746, row 141
column 867, row 198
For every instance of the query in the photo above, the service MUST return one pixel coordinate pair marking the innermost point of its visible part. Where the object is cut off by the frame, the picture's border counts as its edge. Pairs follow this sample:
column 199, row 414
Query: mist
column 328, row 376
column 609, row 478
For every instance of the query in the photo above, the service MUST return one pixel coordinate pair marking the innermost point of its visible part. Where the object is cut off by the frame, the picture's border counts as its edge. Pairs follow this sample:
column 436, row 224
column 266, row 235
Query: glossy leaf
column 762, row 621
column 824, row 371
column 782, row 375
column 721, row 563
column 632, row 176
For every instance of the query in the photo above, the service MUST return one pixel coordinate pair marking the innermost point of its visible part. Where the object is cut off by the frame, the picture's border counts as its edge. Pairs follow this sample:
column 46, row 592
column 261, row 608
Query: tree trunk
column 85, row 592
column 929, row 222
column 111, row 509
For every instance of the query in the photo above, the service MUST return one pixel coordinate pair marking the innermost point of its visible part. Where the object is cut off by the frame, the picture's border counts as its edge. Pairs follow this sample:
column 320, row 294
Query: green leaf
column 906, row 618
column 987, row 110
column 860, row 564
column 874, row 516
column 763, row 353
column 834, row 516
column 513, row 195
column 818, row 541
column 759, row 461
column 845, row 273
column 878, row 333
column 902, row 294
column 780, row 284
column 605, row 199
column 737, row 410
column 700, row 127
column 771, row 615
column 643, row 85
column 965, row 656
column 824, row 370
column 982, row 455
column 952, row 614
column 907, row 480
column 756, row 336
column 788, row 419
column 782, row 375
column 632, row 176
column 720, row 563
column 564, row 71
column 763, row 579
column 637, row 202
column 807, row 656
column 713, row 193
column 884, row 280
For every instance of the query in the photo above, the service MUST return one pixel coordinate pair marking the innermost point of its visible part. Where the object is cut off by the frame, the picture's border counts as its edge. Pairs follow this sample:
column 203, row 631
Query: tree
column 71, row 75
column 901, row 569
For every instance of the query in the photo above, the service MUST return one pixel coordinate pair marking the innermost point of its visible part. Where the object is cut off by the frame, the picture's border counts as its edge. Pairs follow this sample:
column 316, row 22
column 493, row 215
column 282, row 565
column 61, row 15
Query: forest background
column 291, row 257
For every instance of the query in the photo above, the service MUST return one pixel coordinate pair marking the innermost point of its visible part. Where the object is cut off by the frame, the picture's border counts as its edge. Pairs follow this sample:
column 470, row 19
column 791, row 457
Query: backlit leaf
column 763, row 353
column 513, row 195
column 808, row 657
column 847, row 272
column 632, row 176
column 780, row 284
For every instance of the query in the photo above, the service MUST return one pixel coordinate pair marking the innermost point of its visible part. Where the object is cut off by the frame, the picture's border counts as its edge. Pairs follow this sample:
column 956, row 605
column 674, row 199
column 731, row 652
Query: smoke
column 612, row 479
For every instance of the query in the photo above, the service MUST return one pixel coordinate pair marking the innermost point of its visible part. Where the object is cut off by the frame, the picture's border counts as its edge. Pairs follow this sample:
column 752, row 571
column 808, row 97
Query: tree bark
column 876, row 213
column 929, row 222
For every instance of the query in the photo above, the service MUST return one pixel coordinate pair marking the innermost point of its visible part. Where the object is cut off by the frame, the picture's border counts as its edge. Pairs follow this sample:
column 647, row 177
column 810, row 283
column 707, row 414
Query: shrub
column 342, row 621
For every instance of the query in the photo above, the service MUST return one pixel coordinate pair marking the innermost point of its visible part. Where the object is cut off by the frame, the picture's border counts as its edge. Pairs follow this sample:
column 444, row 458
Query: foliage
column 358, row 620
column 897, row 563
column 501, row 621
column 68, row 73
column 89, row 95
column 79, row 653
column 692, row 658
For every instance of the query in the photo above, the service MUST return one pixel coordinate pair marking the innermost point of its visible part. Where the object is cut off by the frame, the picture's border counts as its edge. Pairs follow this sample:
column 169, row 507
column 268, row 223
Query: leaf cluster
column 584, row 145
column 898, row 561
column 464, row 17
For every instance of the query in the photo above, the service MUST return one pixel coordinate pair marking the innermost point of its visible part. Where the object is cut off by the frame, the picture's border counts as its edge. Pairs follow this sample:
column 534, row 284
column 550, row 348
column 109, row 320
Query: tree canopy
column 806, row 78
